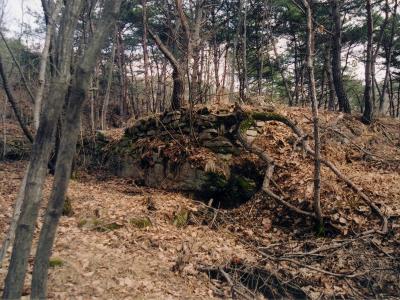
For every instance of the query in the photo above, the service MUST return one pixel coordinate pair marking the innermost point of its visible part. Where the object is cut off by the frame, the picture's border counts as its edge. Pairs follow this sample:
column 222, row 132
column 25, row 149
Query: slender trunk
column 79, row 89
column 296, row 71
column 234, row 53
column 389, row 52
column 145, row 51
column 108, row 90
column 317, row 145
column 41, row 150
column 216, row 71
column 261, row 48
column 225, row 67
column 151, row 83
column 217, row 55
column 344, row 104
column 178, row 89
column 390, row 92
column 43, row 61
column 368, row 110
column 178, row 77
column 122, row 71
column 245, row 75
column 164, row 84
column 332, row 92
column 323, row 79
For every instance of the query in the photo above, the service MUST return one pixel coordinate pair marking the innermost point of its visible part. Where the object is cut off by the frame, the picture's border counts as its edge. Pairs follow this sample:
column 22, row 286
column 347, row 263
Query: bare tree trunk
column 178, row 89
column 389, row 52
column 317, row 143
column 234, row 54
column 332, row 92
column 145, row 51
column 344, row 104
column 225, row 67
column 177, row 74
column 108, row 90
column 41, row 150
column 164, row 89
column 245, row 75
column 262, row 47
column 122, row 72
column 216, row 70
column 54, row 11
column 79, row 89
column 368, row 110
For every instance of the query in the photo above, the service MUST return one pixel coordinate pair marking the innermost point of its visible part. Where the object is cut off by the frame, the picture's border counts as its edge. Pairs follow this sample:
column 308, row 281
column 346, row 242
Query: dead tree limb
column 13, row 102
column 270, row 167
column 267, row 117
column 18, row 67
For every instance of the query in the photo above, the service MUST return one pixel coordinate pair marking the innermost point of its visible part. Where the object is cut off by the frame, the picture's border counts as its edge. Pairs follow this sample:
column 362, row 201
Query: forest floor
column 124, row 241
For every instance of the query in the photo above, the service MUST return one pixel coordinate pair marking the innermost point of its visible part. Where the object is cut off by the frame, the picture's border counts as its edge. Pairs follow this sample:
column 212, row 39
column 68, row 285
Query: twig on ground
column 266, row 117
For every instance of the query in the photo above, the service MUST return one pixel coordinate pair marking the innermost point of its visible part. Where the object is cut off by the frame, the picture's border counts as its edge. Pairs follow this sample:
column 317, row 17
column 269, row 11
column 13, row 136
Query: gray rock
column 220, row 145
column 251, row 133
column 171, row 117
column 208, row 134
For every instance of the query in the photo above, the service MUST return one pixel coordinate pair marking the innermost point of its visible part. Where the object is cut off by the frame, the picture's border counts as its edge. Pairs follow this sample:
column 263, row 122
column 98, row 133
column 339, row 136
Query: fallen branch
column 270, row 168
column 343, row 275
column 267, row 117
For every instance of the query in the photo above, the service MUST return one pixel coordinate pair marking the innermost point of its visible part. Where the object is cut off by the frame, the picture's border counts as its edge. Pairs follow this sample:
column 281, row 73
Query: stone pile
column 151, row 153
column 213, row 130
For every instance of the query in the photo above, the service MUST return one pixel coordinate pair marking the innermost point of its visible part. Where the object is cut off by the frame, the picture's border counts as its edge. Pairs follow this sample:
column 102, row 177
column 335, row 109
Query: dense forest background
column 172, row 53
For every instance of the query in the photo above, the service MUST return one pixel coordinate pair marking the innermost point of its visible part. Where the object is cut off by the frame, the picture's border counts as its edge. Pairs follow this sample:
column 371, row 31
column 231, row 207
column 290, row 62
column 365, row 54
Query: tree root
column 248, row 118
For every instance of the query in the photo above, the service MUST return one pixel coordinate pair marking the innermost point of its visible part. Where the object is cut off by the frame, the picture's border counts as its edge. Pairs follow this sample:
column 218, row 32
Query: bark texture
column 71, row 126
column 40, row 154
column 344, row 104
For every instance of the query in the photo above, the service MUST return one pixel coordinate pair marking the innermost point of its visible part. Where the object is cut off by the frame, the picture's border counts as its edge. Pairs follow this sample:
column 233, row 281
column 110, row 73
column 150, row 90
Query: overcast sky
column 17, row 11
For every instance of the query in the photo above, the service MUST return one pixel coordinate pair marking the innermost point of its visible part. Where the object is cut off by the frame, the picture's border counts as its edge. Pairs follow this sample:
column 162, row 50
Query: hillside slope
column 126, row 241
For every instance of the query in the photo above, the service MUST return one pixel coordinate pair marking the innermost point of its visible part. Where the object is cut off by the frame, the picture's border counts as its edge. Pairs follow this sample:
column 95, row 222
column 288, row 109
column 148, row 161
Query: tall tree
column 41, row 150
column 344, row 104
column 314, row 104
column 79, row 89
column 51, row 11
column 368, row 110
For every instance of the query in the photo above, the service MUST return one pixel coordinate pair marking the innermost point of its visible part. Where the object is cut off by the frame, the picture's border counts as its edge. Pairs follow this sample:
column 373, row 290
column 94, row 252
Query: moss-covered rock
column 67, row 209
column 140, row 223
column 181, row 218
column 55, row 262
column 98, row 225
column 228, row 192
